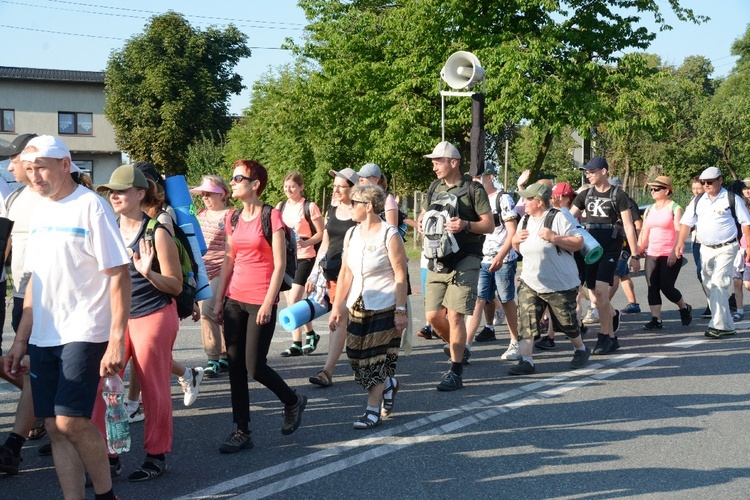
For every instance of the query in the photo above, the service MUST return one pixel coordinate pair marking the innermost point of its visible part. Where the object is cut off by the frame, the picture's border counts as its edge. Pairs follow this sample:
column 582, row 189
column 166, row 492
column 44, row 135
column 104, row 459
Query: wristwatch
column 636, row 256
column 468, row 226
column 401, row 308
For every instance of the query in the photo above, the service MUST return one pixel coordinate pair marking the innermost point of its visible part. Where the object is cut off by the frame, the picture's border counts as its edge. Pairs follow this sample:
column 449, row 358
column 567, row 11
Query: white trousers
column 717, row 267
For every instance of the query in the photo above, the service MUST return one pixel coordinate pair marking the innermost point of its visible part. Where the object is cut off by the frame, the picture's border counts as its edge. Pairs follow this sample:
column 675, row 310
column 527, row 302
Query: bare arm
column 397, row 257
column 120, row 294
column 227, row 269
column 279, row 265
column 169, row 280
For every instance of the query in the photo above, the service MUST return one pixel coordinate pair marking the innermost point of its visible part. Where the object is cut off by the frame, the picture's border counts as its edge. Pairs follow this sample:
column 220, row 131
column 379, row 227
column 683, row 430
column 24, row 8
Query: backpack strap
column 308, row 217
column 524, row 221
column 549, row 219
column 12, row 197
column 265, row 222
column 234, row 218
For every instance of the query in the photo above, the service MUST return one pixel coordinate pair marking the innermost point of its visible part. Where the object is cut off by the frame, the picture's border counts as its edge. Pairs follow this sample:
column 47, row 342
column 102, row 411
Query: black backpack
column 308, row 218
column 291, row 244
column 496, row 215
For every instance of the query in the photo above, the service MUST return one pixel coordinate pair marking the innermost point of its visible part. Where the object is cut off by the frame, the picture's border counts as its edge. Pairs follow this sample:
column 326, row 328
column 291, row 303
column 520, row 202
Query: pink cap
column 208, row 187
column 563, row 189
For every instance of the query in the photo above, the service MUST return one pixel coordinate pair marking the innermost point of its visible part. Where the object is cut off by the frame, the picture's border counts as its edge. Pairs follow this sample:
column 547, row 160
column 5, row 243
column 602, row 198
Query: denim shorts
column 623, row 268
column 501, row 281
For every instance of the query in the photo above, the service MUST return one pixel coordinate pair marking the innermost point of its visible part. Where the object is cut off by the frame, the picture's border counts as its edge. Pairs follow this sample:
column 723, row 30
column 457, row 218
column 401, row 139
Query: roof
column 58, row 75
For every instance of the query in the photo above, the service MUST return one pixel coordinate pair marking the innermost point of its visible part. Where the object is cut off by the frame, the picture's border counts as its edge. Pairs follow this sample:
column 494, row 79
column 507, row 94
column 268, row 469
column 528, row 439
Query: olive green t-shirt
column 467, row 242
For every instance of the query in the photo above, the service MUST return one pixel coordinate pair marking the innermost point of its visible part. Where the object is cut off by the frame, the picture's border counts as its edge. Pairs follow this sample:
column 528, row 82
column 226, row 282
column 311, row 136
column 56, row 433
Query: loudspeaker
column 462, row 70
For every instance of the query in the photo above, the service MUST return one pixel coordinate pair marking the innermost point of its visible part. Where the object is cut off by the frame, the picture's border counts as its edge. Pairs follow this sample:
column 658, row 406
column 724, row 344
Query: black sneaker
column 237, row 441
column 615, row 345
column 115, row 469
column 545, row 343
column 45, row 450
column 685, row 315
column 426, row 333
column 584, row 330
column 616, row 321
column 450, row 382
column 8, row 461
column 522, row 368
column 706, row 312
column 580, row 358
column 486, row 335
column 293, row 415
column 603, row 344
column 654, row 324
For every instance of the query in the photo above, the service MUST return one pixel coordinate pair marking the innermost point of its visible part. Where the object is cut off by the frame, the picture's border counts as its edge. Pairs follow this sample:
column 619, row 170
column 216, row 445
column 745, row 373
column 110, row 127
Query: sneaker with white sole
column 191, row 387
column 591, row 318
column 512, row 353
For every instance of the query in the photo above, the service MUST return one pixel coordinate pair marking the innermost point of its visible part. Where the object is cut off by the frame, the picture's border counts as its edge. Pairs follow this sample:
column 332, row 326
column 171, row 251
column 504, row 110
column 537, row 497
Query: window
column 86, row 166
column 75, row 123
column 9, row 120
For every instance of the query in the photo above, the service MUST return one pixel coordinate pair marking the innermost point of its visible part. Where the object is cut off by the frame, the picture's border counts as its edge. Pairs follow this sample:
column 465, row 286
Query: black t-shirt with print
column 599, row 210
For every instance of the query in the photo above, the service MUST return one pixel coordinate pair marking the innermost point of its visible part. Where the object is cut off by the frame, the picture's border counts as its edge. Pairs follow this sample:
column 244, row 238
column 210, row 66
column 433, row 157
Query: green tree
column 169, row 86
column 548, row 65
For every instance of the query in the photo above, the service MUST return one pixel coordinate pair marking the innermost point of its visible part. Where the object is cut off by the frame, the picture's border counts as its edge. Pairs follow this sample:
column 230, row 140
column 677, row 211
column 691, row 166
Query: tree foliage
column 169, row 86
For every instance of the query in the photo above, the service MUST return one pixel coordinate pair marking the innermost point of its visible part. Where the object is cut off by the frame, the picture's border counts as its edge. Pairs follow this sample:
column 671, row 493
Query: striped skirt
column 372, row 344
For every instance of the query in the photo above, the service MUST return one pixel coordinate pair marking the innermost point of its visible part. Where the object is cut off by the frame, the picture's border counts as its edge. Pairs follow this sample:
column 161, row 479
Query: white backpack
column 439, row 246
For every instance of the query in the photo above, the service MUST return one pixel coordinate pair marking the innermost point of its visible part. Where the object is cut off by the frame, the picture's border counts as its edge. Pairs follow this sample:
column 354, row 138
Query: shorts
column 603, row 269
column 331, row 286
column 501, row 282
column 623, row 268
column 562, row 309
column 65, row 379
column 304, row 268
column 456, row 290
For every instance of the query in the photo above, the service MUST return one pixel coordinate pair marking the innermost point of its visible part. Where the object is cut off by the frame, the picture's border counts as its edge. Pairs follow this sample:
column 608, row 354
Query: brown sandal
column 323, row 379
column 38, row 431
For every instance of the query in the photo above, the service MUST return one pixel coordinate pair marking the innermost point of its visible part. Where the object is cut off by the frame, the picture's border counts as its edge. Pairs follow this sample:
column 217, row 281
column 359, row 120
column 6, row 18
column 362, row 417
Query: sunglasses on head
column 708, row 182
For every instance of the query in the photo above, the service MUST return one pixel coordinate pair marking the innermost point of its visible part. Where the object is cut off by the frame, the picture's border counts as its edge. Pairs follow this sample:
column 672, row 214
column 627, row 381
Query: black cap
column 18, row 144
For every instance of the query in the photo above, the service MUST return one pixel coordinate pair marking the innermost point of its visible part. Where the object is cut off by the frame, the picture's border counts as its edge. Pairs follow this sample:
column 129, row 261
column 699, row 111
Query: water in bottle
column 116, row 416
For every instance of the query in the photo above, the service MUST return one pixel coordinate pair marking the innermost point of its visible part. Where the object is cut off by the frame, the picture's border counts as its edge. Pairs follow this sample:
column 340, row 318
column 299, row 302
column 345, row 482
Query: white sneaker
column 513, row 353
column 135, row 411
column 592, row 317
column 191, row 387
column 499, row 318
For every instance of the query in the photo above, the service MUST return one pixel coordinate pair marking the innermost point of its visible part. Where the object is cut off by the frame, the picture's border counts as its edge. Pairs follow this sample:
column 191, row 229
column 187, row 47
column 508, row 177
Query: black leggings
column 661, row 278
column 247, row 348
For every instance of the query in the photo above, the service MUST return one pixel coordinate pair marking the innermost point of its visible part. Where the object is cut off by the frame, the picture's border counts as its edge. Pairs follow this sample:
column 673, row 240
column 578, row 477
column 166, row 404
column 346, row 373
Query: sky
column 80, row 35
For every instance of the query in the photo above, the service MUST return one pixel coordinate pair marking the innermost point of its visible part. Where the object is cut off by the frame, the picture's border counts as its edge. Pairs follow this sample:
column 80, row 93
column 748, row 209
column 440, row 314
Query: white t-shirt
column 544, row 269
column 20, row 213
column 372, row 274
column 713, row 219
column 71, row 242
column 494, row 241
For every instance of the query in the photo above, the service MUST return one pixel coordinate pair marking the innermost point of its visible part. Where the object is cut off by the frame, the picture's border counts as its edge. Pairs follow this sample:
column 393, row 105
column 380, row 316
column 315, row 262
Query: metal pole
column 442, row 115
column 506, row 165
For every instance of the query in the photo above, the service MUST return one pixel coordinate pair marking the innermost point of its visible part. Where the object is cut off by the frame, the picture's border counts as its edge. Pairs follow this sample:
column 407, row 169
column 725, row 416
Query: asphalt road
column 664, row 417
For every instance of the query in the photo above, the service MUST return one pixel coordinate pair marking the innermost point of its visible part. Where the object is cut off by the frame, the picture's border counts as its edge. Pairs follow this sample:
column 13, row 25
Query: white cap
column 48, row 146
column 444, row 150
column 710, row 173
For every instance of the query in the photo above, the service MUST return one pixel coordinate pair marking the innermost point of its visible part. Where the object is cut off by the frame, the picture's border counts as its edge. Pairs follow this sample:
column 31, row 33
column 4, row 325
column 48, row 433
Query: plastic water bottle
column 191, row 279
column 116, row 416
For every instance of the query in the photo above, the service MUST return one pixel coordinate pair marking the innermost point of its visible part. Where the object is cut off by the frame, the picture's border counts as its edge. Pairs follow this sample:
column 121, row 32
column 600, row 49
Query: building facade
column 68, row 104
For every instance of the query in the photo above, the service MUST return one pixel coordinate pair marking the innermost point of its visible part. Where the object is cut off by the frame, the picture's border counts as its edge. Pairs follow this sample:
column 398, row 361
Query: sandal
column 365, row 422
column 388, row 402
column 150, row 469
column 293, row 350
column 323, row 379
column 38, row 431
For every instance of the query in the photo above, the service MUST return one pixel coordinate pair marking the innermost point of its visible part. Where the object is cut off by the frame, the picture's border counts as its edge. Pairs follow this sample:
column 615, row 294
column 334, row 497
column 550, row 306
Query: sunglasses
column 656, row 188
column 239, row 178
column 352, row 203
column 707, row 182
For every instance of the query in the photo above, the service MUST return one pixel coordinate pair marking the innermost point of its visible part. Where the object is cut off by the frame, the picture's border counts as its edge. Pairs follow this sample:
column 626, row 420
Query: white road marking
column 388, row 441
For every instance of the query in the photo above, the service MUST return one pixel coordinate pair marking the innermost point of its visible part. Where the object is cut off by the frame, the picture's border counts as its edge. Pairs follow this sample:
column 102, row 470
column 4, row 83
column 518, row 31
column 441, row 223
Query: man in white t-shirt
column 75, row 313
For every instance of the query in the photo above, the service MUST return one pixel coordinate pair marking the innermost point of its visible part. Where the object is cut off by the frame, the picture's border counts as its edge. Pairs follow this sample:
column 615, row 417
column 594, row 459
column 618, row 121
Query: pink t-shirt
column 662, row 235
column 253, row 258
column 294, row 217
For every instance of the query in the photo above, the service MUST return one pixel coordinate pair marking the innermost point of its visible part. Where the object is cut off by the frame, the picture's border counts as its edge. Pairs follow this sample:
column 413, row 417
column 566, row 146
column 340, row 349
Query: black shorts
column 603, row 269
column 304, row 268
column 65, row 379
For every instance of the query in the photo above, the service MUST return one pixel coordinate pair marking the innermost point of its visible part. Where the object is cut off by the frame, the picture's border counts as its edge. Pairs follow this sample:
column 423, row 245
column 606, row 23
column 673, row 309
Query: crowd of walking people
column 95, row 282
